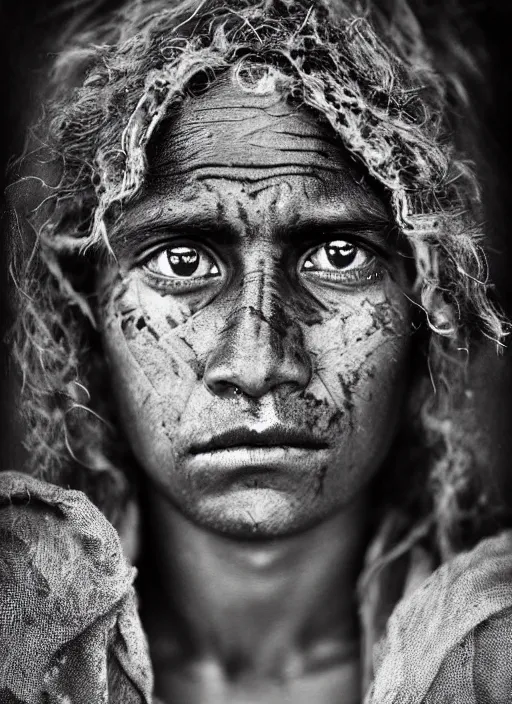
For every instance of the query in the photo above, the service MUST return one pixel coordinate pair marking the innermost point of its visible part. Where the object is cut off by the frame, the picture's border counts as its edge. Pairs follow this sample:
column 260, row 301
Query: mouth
column 281, row 436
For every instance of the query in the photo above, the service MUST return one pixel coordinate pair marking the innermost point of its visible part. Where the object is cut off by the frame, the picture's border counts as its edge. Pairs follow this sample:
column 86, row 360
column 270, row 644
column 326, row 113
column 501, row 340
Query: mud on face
column 262, row 298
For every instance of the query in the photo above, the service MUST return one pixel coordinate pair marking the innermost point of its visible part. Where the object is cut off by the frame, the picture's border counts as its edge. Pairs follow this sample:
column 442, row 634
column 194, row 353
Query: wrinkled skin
column 254, row 188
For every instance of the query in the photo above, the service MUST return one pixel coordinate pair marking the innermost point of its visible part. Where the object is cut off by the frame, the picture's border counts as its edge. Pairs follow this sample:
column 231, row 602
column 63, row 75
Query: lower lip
column 249, row 458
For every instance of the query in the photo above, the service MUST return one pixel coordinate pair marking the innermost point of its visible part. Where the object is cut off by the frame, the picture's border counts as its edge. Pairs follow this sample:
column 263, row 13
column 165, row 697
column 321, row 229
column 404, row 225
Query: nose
column 260, row 347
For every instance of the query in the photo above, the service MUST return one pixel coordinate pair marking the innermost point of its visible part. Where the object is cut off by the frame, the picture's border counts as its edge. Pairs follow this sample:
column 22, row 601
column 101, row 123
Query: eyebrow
column 132, row 230
column 377, row 231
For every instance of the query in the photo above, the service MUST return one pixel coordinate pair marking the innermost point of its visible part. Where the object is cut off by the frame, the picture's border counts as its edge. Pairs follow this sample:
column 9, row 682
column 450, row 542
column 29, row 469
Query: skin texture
column 298, row 327
column 268, row 340
column 254, row 621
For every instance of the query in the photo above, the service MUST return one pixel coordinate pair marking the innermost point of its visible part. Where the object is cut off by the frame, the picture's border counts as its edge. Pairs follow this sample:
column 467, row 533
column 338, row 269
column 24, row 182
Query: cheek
column 360, row 358
column 154, row 368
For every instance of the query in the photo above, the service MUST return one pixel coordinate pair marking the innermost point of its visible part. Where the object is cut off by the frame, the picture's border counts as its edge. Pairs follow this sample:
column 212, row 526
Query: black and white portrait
column 257, row 394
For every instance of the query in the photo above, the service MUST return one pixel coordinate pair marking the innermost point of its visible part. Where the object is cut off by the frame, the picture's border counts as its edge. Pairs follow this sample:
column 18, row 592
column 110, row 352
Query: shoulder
column 58, row 538
column 442, row 640
column 479, row 668
column 66, row 595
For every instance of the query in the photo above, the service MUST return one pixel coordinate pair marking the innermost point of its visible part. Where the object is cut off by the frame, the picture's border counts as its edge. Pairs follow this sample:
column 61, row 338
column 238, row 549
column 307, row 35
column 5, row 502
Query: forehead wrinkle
column 254, row 189
column 192, row 141
column 211, row 114
column 229, row 127
column 265, row 181
column 281, row 125
column 252, row 173
column 272, row 155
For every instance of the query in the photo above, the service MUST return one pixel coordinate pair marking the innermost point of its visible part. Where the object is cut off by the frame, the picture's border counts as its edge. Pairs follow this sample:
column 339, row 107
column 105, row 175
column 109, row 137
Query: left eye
column 337, row 256
column 182, row 262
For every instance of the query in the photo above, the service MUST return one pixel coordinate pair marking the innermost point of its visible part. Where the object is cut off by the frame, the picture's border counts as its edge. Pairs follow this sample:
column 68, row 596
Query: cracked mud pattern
column 261, row 340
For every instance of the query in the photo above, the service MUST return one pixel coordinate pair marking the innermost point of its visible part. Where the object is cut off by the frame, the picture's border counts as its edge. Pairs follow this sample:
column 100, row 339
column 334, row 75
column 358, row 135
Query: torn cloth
column 70, row 630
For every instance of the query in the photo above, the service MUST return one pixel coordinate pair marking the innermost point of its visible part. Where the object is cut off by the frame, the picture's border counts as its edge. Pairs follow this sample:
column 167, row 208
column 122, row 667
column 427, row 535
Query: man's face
column 255, row 327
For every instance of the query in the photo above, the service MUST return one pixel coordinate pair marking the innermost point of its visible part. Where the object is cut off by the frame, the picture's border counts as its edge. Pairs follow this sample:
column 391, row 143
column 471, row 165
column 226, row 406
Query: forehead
column 231, row 127
column 259, row 146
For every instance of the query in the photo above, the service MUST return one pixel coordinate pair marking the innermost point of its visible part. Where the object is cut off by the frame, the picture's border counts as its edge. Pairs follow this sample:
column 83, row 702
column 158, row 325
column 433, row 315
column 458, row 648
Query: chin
column 254, row 514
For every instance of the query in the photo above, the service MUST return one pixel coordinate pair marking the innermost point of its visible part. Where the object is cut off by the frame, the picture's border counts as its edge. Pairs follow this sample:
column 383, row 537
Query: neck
column 271, row 608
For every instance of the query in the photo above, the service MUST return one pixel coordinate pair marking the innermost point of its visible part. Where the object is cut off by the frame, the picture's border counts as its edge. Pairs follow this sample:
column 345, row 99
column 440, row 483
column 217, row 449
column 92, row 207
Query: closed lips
column 245, row 437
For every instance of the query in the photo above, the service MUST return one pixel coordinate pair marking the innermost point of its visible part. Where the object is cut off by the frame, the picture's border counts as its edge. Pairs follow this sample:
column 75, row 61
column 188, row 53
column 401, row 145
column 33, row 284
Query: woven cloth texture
column 70, row 630
column 69, row 627
column 450, row 640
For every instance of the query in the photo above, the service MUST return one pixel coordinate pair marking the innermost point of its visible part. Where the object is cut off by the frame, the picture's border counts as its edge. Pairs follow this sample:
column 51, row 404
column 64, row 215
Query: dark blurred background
column 28, row 29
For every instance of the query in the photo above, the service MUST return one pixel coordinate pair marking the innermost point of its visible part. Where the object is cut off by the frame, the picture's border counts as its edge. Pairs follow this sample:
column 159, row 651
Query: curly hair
column 370, row 74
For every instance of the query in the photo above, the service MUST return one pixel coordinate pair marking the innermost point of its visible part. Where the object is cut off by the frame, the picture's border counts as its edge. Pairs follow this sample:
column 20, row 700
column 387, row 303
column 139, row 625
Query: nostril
column 224, row 389
column 251, row 359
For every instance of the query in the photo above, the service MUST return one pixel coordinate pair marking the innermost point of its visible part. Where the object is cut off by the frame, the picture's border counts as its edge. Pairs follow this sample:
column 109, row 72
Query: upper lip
column 277, row 436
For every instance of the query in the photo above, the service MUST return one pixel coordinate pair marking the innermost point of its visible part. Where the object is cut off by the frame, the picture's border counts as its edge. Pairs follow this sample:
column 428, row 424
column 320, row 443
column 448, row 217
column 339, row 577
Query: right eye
column 182, row 263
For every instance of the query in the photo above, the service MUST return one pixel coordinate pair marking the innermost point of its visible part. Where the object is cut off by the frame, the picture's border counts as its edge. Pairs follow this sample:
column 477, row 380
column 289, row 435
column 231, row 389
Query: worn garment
column 69, row 628
column 70, row 631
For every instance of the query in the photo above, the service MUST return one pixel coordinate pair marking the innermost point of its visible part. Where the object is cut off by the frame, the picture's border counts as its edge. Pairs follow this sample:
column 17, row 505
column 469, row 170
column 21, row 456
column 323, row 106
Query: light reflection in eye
column 343, row 261
column 185, row 265
column 337, row 255
column 182, row 262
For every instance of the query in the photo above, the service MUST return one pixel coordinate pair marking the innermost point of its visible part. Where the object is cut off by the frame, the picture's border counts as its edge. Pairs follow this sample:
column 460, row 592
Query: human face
column 255, row 325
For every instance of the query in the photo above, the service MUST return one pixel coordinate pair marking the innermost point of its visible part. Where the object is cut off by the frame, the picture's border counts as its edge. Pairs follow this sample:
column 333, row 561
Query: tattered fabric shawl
column 375, row 85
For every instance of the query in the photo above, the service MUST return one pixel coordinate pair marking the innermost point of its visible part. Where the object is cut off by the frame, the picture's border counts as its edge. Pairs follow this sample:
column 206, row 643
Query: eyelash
column 163, row 282
column 368, row 274
column 352, row 277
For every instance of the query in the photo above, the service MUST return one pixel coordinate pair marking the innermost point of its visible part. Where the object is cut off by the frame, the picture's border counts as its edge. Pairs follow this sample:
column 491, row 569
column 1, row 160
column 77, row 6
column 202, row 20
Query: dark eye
column 182, row 262
column 342, row 261
column 336, row 256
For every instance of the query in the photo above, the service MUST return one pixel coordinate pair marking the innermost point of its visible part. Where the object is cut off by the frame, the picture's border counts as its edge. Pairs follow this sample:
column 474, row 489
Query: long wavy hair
column 368, row 72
